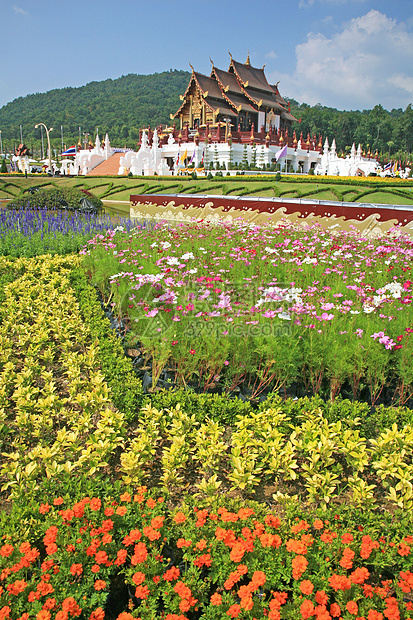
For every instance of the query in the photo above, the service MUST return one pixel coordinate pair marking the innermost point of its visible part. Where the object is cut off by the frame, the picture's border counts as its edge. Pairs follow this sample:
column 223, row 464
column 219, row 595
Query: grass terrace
column 204, row 422
column 348, row 189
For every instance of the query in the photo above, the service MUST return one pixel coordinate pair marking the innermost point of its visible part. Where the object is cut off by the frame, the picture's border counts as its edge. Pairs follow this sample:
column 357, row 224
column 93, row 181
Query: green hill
column 121, row 107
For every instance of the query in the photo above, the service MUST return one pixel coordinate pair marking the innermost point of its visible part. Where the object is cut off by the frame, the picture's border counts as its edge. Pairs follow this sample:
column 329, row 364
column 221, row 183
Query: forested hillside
column 120, row 107
column 390, row 133
column 124, row 105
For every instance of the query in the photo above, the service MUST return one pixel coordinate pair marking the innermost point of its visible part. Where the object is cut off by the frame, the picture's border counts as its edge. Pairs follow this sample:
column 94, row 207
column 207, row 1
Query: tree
column 3, row 168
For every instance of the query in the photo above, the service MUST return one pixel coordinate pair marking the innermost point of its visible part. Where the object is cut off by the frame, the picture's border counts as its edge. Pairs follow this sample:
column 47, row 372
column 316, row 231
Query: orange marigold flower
column 270, row 540
column 216, row 599
column 327, row 536
column 374, row 615
column 306, row 587
column 179, row 517
column 101, row 557
column 17, row 587
column 201, row 544
column 403, row 549
column 151, row 503
column 142, row 592
column 157, row 522
column 182, row 590
column 140, row 554
column 318, row 524
column 299, row 565
column 125, row 497
column 107, row 525
column 234, row 611
column 97, row 614
column 76, row 569
column 347, row 559
column 360, row 575
column 44, row 508
column 321, row 597
column 300, row 526
column 95, row 568
column 150, row 533
column 272, row 521
column 335, row 610
column 125, row 615
column 171, row 574
column 138, row 578
column 184, row 605
column 259, row 578
column 100, row 585
column 244, row 513
column 347, row 538
column 237, row 551
column 109, row 511
column 121, row 557
column 203, row 560
column 296, row 546
column 6, row 550
column 50, row 603
column 242, row 569
column 95, row 503
column 5, row 612
column 367, row 546
column 183, row 543
column 352, row 607
column 71, row 607
column 58, row 501
column 406, row 582
column 306, row 609
column 24, row 616
column 247, row 603
column 44, row 614
column 121, row 511
column 339, row 582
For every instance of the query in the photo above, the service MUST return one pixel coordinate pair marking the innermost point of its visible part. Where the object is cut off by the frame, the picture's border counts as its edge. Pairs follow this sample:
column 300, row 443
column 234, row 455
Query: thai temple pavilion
column 228, row 120
column 240, row 99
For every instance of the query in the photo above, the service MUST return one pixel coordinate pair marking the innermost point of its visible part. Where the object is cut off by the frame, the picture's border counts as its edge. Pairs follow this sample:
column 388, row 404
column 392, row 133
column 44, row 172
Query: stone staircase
column 109, row 167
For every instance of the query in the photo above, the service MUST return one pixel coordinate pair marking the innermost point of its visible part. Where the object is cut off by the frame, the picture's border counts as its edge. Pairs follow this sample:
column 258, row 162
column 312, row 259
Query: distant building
column 228, row 120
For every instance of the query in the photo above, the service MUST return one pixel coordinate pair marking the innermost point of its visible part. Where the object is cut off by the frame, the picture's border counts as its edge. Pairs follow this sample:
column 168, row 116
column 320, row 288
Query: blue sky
column 349, row 54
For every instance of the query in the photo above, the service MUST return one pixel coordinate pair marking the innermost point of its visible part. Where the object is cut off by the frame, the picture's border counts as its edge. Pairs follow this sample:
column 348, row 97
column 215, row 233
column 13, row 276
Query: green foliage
column 3, row 168
column 53, row 198
column 126, row 388
column 217, row 407
column 138, row 100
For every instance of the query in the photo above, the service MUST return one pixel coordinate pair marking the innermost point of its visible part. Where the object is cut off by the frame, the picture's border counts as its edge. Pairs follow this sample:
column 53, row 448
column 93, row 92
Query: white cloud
column 19, row 11
column 271, row 54
column 305, row 4
column 369, row 61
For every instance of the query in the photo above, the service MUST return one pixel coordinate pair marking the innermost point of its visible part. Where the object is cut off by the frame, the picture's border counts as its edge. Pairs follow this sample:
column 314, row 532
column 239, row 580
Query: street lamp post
column 1, row 145
column 48, row 141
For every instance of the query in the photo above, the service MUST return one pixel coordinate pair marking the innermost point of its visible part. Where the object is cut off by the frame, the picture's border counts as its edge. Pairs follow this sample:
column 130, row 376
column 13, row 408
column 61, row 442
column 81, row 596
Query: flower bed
column 56, row 414
column 241, row 308
column 130, row 557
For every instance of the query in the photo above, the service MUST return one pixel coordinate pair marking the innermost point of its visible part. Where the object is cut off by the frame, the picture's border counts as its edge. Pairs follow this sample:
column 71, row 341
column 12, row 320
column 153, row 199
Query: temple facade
column 240, row 100
column 229, row 120
column 226, row 119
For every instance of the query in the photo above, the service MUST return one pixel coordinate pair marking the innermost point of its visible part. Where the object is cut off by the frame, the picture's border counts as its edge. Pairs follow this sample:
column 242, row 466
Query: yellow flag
column 184, row 156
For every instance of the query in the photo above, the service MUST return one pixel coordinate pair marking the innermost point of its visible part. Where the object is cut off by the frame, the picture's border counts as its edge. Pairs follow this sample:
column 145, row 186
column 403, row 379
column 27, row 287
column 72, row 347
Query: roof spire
column 193, row 70
column 247, row 62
